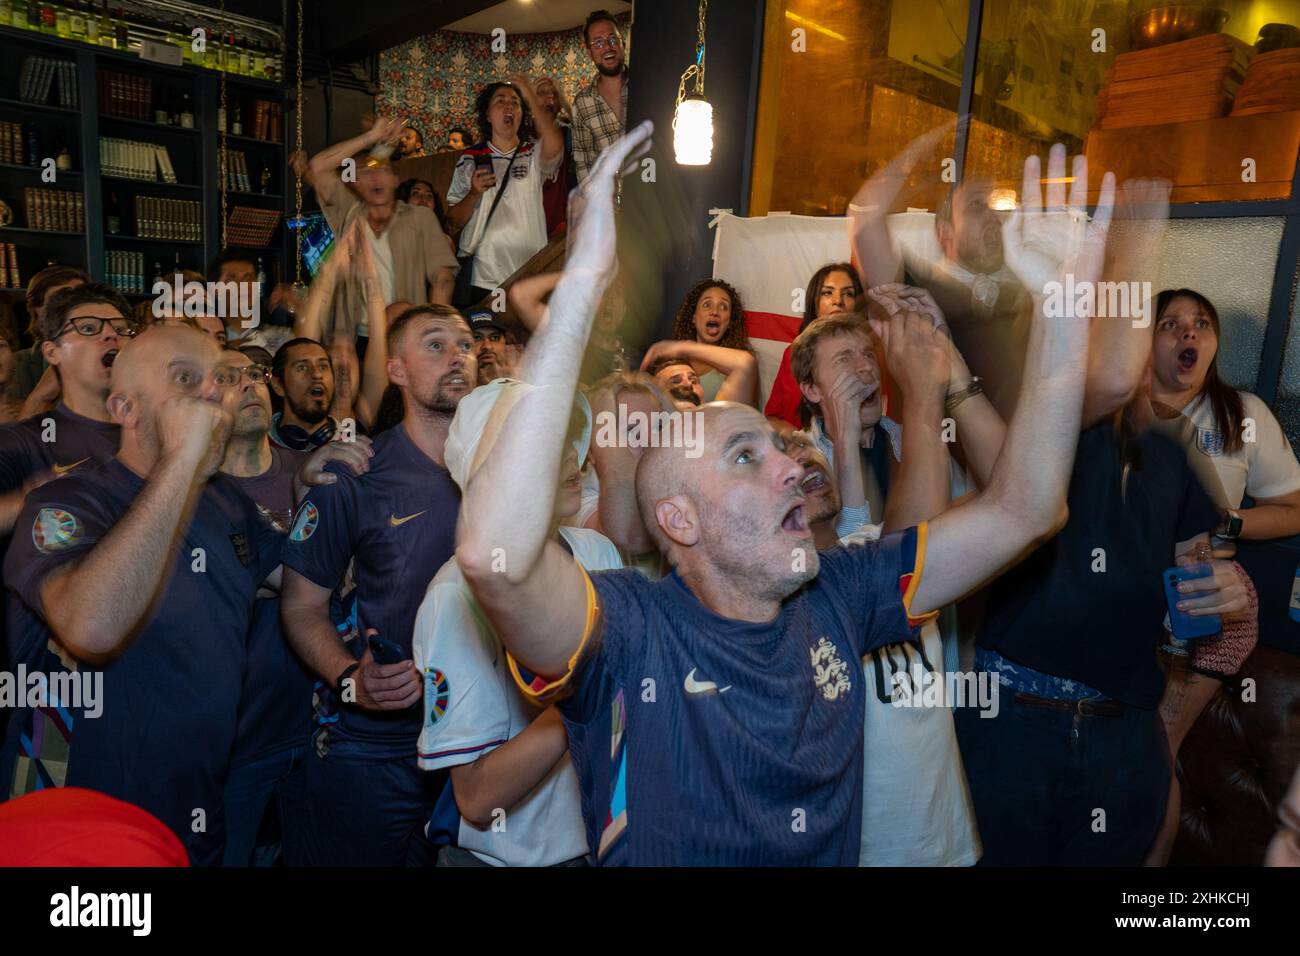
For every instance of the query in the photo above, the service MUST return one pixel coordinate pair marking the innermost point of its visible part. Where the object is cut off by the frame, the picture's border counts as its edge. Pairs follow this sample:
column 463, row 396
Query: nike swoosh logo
column 64, row 469
column 394, row 521
column 694, row 687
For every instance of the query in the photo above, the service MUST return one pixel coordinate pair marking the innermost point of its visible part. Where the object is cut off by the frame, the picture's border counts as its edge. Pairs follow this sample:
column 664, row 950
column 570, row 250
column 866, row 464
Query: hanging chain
column 297, row 184
column 222, row 148
column 696, row 69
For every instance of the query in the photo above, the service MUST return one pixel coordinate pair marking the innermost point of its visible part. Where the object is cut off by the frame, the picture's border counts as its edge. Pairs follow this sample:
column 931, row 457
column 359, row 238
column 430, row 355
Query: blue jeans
column 249, row 790
column 1054, row 789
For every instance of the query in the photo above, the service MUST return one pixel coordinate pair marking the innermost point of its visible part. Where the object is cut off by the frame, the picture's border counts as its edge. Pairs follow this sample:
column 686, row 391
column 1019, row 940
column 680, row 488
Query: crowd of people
column 392, row 580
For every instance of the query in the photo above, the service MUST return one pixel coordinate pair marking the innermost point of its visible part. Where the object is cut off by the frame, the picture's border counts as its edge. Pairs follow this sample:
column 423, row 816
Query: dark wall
column 666, row 242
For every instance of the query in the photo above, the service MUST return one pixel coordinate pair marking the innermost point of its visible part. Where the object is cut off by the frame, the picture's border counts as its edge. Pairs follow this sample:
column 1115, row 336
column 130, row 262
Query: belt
column 1086, row 707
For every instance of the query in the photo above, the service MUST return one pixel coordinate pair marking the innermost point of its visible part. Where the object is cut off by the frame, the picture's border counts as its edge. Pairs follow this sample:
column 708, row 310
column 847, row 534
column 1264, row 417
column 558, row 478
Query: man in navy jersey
column 81, row 331
column 139, row 577
column 367, row 798
column 715, row 716
column 275, row 708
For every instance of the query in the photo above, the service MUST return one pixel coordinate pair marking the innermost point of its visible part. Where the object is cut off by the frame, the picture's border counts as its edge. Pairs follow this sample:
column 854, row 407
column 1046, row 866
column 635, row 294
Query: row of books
column 268, row 121
column 236, row 170
column 10, row 277
column 124, row 271
column 39, row 75
column 249, row 226
column 125, row 94
column 132, row 159
column 160, row 218
column 54, row 210
column 12, row 147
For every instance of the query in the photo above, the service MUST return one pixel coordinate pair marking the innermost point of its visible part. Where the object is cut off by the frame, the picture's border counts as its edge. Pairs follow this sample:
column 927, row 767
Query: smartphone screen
column 317, row 240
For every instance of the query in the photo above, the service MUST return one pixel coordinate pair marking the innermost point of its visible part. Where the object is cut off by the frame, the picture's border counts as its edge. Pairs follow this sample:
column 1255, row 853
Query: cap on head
column 465, row 448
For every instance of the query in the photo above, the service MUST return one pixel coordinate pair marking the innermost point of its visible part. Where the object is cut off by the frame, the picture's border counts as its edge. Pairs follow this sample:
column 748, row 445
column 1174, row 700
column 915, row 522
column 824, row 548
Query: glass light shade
column 693, row 132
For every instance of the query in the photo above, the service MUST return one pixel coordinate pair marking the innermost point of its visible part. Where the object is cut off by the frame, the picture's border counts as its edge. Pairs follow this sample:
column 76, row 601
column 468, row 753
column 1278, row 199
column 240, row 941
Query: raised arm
column 547, row 131
column 94, row 605
column 1026, row 497
column 617, row 515
column 1120, row 346
column 324, row 166
column 877, row 260
column 740, row 367
column 309, row 321
column 536, row 598
column 917, row 359
column 526, row 296
column 374, row 377
column 980, row 430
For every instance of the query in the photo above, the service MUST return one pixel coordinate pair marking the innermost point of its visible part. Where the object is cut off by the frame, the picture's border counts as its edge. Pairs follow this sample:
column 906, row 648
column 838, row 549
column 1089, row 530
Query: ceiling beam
column 347, row 30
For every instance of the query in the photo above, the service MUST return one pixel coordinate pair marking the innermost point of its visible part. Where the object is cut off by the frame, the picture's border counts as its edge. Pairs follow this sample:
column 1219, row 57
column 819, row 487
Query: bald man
column 136, row 582
column 715, row 717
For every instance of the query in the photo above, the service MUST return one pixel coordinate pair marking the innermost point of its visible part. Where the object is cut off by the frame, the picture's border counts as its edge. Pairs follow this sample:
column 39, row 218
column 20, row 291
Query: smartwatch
column 1232, row 523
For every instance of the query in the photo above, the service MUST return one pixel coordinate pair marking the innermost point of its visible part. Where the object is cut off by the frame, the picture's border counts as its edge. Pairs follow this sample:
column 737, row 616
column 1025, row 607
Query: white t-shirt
column 1263, row 468
column 916, row 807
column 383, row 254
column 472, row 706
column 518, row 227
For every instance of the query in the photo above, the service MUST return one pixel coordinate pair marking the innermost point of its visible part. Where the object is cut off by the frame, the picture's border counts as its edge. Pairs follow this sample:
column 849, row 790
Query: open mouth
column 813, row 482
column 108, row 358
column 574, row 480
column 1187, row 359
column 796, row 522
column 713, row 328
column 455, row 381
column 316, row 391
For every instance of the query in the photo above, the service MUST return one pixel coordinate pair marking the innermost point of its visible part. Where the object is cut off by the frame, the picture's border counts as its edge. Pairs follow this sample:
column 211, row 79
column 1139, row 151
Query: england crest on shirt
column 830, row 673
column 1210, row 441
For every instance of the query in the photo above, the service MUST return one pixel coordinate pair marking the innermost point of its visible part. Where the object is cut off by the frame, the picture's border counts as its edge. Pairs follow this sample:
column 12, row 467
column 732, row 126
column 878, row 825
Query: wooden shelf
column 23, row 168
column 108, row 236
column 150, row 182
column 25, row 231
column 37, row 107
column 150, row 125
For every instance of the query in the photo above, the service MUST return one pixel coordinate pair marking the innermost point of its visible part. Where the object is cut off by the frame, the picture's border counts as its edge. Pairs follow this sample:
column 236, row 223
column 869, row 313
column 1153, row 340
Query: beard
column 313, row 411
column 604, row 70
column 740, row 548
column 684, row 393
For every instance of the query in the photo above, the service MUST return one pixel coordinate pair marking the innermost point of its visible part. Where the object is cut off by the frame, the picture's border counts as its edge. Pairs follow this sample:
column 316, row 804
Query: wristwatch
column 1231, row 527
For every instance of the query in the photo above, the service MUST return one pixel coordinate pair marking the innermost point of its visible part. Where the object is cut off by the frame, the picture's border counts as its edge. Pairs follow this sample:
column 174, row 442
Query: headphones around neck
column 299, row 439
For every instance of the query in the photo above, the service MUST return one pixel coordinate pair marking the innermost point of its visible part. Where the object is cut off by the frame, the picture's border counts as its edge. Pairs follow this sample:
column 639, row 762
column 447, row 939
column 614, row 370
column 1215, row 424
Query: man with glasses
column 81, row 330
column 275, row 707
column 135, row 582
column 600, row 110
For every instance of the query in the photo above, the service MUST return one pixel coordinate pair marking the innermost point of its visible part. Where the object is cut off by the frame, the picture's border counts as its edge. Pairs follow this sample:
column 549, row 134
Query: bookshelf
column 108, row 178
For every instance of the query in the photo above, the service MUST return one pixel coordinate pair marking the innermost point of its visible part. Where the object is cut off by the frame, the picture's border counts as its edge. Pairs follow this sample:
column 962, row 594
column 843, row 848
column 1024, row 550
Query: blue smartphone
column 1185, row 626
column 384, row 652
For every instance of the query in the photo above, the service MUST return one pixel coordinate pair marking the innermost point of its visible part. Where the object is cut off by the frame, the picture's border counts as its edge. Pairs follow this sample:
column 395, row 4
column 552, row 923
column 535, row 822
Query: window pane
column 845, row 84
column 1147, row 89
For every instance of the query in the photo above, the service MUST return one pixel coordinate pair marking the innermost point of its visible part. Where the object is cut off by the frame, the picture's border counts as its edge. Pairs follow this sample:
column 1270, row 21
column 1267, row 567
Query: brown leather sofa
column 1236, row 763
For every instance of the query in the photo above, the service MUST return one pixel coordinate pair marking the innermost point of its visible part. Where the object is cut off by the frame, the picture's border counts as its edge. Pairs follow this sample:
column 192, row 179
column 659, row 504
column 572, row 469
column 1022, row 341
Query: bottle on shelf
column 245, row 60
column 236, row 122
column 6, row 14
column 187, row 112
column 18, row 16
column 114, row 209
column 62, row 24
column 266, row 179
column 32, row 141
column 259, row 60
column 211, row 58
column 77, row 21
column 157, row 274
column 161, row 115
column 107, row 36
column 121, row 31
column 64, row 160
column 49, row 21
column 92, row 24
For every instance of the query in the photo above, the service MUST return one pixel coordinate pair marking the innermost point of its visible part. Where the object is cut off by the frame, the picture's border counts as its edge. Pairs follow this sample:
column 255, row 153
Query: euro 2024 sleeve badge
column 55, row 530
